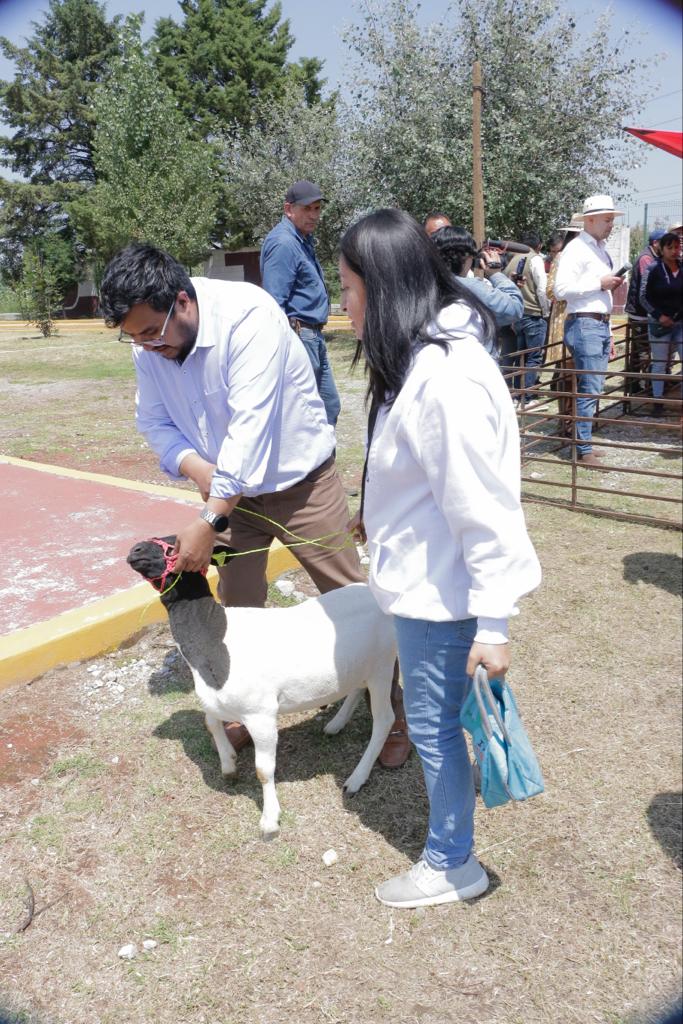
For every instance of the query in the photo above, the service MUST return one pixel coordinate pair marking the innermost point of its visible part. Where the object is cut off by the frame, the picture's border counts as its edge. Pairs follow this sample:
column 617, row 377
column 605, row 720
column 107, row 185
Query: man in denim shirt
column 291, row 273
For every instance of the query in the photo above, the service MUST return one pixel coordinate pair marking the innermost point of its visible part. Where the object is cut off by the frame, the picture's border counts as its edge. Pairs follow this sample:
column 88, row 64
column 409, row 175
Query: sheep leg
column 226, row 751
column 343, row 716
column 263, row 730
column 382, row 720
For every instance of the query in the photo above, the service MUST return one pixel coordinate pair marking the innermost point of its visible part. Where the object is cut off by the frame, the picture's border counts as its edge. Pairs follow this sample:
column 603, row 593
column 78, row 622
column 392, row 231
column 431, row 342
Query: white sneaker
column 423, row 886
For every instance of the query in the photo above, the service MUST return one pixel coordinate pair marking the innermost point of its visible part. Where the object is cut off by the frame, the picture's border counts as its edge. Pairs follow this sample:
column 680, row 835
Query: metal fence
column 640, row 478
column 661, row 215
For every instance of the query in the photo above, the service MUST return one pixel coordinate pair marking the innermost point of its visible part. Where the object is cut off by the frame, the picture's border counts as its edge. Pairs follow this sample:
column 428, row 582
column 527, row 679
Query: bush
column 46, row 274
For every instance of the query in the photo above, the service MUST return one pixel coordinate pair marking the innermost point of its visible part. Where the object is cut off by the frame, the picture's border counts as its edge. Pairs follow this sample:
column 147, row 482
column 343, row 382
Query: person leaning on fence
column 557, row 354
column 661, row 294
column 639, row 346
column 227, row 398
column 585, row 280
column 449, row 551
column 291, row 273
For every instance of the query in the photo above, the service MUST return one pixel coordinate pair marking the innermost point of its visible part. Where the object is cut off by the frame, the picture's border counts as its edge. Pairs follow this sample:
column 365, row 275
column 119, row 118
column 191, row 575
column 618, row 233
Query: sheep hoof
column 351, row 786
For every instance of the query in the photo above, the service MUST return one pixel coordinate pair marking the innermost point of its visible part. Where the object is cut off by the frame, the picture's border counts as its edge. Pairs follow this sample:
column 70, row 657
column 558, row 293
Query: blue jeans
column 589, row 343
column 660, row 347
column 529, row 333
column 433, row 656
column 314, row 343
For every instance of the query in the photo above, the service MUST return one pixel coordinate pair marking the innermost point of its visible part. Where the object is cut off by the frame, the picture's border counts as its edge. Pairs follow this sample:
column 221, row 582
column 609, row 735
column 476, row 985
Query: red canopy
column 671, row 142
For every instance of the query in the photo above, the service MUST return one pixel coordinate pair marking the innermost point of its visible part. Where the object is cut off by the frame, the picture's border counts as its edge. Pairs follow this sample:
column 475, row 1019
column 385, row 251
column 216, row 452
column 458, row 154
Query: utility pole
column 477, row 180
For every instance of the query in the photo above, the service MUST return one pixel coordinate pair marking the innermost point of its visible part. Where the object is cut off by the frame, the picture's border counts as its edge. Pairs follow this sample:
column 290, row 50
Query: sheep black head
column 154, row 561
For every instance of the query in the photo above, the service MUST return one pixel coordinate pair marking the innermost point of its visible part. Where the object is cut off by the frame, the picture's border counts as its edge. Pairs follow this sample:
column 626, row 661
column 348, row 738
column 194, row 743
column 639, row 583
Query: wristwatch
column 215, row 519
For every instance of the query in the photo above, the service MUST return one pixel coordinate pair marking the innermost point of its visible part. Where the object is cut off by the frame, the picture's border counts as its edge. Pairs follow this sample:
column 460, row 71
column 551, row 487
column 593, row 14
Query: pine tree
column 224, row 56
column 48, row 103
column 48, row 106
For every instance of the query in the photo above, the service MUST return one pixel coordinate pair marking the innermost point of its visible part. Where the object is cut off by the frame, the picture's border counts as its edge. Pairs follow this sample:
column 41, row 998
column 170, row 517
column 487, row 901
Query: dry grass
column 118, row 807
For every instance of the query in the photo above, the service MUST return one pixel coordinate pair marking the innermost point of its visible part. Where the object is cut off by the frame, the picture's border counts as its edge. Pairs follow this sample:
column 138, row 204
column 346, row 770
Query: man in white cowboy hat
column 585, row 280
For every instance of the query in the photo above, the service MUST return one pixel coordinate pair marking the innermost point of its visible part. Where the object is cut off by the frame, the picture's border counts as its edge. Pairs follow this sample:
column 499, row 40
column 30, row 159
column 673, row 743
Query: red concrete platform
column 66, row 591
column 65, row 539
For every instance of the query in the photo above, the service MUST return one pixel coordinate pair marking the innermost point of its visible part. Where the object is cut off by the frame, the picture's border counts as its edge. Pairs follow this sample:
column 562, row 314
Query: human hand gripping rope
column 219, row 558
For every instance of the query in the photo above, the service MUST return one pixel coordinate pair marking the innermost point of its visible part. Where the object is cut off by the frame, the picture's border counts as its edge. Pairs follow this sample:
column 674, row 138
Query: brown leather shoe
column 590, row 461
column 396, row 750
column 237, row 734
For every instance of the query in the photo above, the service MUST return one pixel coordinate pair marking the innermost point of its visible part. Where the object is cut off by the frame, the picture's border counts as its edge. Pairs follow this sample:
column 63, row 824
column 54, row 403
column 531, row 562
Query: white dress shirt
column 581, row 266
column 245, row 398
column 446, row 533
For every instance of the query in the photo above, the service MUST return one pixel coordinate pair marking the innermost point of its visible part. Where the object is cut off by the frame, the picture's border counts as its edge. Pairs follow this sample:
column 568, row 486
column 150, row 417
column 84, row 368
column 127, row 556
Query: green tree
column 554, row 103
column 48, row 102
column 225, row 55
column 286, row 140
column 28, row 213
column 47, row 272
column 154, row 182
column 48, row 105
column 636, row 242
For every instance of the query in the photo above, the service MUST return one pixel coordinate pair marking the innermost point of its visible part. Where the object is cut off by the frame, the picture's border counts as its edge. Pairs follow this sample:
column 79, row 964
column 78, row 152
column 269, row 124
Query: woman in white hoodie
column 449, row 551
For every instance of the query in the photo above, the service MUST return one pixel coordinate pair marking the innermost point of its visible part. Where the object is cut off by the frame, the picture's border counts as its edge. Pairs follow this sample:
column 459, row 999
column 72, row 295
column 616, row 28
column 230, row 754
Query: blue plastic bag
column 507, row 763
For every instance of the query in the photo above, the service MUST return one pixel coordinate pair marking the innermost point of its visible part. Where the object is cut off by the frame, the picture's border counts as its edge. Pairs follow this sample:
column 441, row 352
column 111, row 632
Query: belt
column 602, row 317
column 297, row 324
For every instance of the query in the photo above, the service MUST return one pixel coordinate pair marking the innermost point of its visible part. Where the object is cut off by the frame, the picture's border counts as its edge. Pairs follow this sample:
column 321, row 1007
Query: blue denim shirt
column 503, row 298
column 291, row 273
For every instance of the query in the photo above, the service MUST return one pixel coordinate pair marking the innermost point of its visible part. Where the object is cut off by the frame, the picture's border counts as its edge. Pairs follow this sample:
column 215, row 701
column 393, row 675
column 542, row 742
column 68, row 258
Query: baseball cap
column 303, row 193
column 654, row 236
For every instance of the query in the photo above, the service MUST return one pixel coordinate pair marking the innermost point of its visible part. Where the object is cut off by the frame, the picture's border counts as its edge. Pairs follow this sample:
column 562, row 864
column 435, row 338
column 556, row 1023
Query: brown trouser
column 315, row 507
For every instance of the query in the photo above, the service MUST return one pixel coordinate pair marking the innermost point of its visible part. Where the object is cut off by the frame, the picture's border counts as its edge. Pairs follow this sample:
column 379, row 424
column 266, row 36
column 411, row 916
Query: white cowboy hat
column 575, row 224
column 599, row 204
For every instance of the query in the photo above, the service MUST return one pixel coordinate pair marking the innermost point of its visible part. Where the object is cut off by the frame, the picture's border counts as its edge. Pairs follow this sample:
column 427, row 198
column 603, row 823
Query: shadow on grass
column 664, row 817
column 392, row 802
column 8, row 1016
column 662, row 569
column 174, row 676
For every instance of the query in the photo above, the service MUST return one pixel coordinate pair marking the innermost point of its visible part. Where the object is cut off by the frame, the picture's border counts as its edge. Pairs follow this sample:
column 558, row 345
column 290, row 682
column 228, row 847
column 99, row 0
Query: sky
column 656, row 27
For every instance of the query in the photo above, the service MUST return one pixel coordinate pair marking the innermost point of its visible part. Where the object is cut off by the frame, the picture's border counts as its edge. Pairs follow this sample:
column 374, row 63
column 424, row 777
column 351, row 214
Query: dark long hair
column 407, row 285
column 455, row 245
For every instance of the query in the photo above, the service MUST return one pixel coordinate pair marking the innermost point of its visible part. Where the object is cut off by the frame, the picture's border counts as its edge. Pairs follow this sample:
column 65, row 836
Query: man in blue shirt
column 291, row 273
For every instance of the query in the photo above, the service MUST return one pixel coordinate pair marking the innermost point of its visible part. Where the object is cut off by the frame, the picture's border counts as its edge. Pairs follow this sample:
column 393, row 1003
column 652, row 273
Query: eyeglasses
column 130, row 339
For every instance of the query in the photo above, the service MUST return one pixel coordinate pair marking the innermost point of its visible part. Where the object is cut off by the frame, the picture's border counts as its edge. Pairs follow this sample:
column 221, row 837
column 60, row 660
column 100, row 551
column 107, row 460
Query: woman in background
column 449, row 551
column 661, row 294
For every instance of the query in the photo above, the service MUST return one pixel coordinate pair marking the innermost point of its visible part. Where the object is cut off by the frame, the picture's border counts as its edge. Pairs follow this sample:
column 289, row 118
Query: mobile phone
column 623, row 271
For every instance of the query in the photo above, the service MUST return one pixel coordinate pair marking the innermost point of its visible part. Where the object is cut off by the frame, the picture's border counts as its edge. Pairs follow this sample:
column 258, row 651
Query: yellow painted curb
column 166, row 491
column 103, row 625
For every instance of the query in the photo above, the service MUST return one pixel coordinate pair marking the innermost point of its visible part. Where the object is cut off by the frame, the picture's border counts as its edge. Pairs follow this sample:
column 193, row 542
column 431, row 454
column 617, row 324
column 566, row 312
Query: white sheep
column 252, row 664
